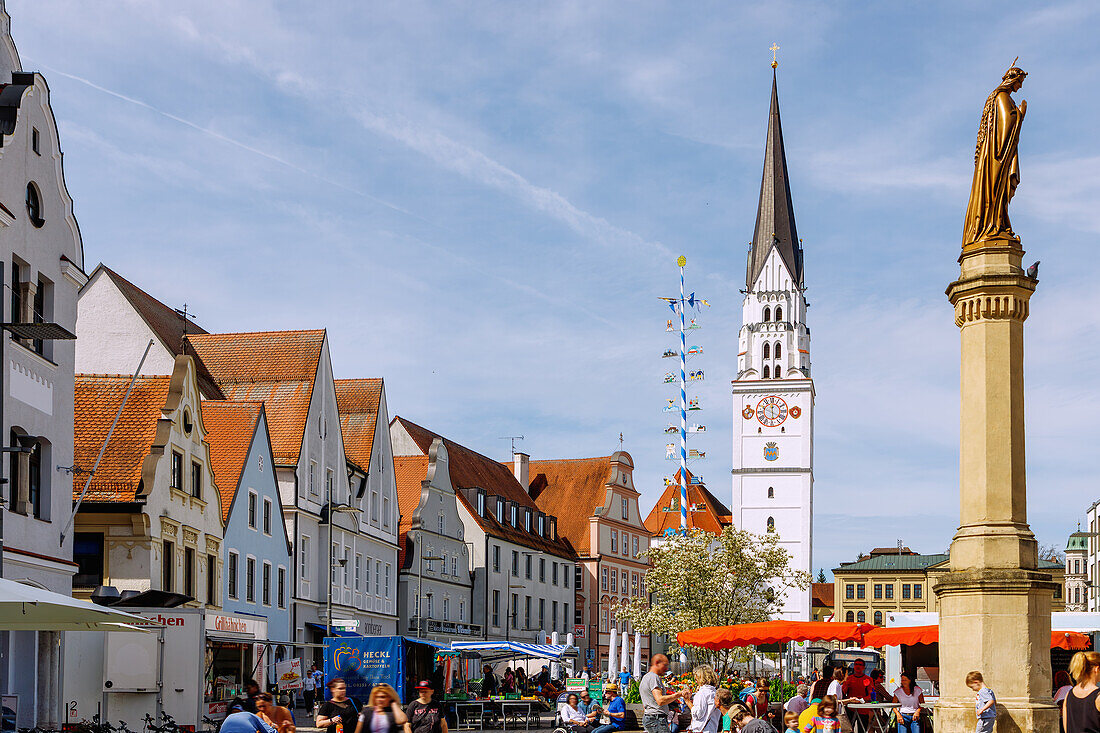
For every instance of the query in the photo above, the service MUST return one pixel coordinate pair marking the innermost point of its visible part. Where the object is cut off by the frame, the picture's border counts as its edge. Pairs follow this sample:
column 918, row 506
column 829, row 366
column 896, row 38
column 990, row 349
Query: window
column 542, row 526
column 626, row 545
column 1076, row 567
column 878, row 618
column 385, row 511
column 167, row 566
column 500, row 511
column 776, row 375
column 614, row 584
column 767, row 372
column 624, row 578
column 266, row 587
column 636, row 547
column 88, row 555
column 496, row 608
column 177, row 470
column 386, row 580
column 515, row 609
column 778, row 315
column 34, row 205
column 918, row 590
column 212, row 579
column 454, row 565
column 250, row 579
column 861, row 617
column 1058, row 591
column 1077, row 594
column 624, row 504
column 496, row 558
column 603, row 619
column 634, row 584
column 564, row 617
column 771, row 524
column 861, row 591
column 527, row 520
column 554, row 573
column 515, row 564
column 906, row 591
column 778, row 350
column 614, row 541
column 313, row 478
column 771, row 492
column 446, row 608
column 251, row 510
column 553, row 614
column 233, row 560
column 513, row 515
column 850, row 592
column 850, row 617
column 878, row 591
column 366, row 577
column 461, row 610
column 767, row 314
column 603, row 579
column 442, row 524
column 889, row 591
column 282, row 587
column 527, row 567
column 189, row 571
column 767, row 350
column 429, row 605
column 358, row 572
column 304, row 558
column 542, row 569
column 35, row 137
column 565, row 575
column 196, row 480
column 443, row 564
column 480, row 504
column 378, row 578
column 267, row 516
column 542, row 613
column 329, row 486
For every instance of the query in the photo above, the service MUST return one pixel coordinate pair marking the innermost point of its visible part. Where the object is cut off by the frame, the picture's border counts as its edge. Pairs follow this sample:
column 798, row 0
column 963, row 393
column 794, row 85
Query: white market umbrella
column 637, row 655
column 624, row 656
column 27, row 608
column 612, row 648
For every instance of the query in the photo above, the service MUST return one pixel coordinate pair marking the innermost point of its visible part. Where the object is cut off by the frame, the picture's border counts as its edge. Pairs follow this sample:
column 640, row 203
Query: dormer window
column 481, row 503
column 527, row 520
column 513, row 515
column 542, row 526
column 500, row 510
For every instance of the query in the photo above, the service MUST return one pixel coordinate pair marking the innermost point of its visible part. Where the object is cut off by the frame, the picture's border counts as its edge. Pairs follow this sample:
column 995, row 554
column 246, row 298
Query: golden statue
column 996, row 166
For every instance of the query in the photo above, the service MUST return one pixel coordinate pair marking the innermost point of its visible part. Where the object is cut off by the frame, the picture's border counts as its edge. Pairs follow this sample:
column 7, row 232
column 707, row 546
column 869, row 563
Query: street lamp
column 420, row 582
column 29, row 331
column 326, row 518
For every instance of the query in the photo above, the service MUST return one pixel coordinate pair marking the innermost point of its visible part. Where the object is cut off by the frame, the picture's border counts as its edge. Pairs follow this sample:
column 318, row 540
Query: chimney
column 521, row 465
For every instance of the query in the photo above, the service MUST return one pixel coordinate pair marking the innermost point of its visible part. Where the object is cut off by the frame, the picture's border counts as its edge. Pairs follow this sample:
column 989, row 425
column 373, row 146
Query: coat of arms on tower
column 749, row 412
column 771, row 451
column 796, row 412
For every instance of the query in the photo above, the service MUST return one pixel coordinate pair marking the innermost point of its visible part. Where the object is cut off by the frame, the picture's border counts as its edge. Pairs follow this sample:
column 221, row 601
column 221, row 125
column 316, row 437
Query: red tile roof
column 410, row 472
column 358, row 401
column 166, row 323
column 96, row 402
column 571, row 489
column 469, row 470
column 710, row 514
column 822, row 595
column 230, row 428
column 277, row 368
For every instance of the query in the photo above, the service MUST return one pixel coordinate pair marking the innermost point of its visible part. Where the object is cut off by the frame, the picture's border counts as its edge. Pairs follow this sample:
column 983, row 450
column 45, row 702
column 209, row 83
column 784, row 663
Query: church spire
column 775, row 213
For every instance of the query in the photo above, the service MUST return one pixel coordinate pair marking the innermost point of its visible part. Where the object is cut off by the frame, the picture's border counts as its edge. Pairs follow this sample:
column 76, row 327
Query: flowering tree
column 700, row 579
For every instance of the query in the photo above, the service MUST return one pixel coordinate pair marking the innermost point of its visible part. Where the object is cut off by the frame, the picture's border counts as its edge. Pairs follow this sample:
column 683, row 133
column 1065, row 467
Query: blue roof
column 514, row 649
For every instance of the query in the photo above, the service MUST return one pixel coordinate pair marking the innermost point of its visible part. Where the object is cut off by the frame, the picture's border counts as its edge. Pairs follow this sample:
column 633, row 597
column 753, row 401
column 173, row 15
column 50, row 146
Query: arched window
column 861, row 617
column 1077, row 594
column 878, row 618
column 767, row 373
column 767, row 351
column 34, row 205
column 776, row 372
column 767, row 314
column 778, row 350
column 779, row 313
column 771, row 524
column 850, row 617
column 771, row 492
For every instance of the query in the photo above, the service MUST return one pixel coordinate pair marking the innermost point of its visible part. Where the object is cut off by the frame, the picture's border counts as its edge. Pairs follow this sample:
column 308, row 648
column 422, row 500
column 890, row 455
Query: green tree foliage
column 821, row 576
column 700, row 579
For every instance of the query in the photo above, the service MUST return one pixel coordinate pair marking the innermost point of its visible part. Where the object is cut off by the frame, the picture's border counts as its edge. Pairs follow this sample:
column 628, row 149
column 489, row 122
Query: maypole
column 681, row 261
column 680, row 305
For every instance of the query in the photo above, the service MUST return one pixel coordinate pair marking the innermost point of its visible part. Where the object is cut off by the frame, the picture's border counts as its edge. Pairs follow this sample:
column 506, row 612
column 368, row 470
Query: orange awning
column 771, row 632
column 909, row 635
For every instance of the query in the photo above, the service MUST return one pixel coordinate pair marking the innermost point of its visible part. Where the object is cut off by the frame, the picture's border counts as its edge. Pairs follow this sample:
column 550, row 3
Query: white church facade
column 773, row 393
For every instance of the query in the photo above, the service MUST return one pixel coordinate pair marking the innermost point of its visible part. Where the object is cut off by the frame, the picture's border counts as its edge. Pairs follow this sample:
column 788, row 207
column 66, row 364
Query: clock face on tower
column 771, row 411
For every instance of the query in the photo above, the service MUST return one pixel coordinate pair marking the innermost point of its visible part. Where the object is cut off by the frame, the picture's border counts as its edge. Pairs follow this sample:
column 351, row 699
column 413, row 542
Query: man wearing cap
column 616, row 710
column 424, row 713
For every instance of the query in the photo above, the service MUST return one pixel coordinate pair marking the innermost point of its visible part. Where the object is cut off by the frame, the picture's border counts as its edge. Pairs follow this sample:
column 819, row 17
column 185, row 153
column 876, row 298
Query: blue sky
column 481, row 203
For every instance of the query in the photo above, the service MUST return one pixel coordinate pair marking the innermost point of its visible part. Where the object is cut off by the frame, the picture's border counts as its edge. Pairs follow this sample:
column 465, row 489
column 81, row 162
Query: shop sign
column 224, row 624
column 217, row 710
column 345, row 624
column 574, row 684
column 578, row 631
column 288, row 674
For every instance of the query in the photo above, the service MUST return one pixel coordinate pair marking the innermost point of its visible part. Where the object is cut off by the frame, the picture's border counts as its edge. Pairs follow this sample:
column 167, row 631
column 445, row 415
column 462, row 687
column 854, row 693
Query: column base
column 996, row 621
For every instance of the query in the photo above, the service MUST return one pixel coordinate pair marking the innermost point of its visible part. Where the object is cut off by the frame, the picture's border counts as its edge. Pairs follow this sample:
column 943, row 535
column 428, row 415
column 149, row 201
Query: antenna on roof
column 512, row 438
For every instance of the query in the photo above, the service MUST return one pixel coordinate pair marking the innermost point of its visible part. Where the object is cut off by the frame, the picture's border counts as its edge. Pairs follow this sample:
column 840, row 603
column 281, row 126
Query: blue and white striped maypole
column 681, row 261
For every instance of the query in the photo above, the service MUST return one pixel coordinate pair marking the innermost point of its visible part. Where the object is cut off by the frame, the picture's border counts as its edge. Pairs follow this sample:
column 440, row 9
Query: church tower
column 773, row 395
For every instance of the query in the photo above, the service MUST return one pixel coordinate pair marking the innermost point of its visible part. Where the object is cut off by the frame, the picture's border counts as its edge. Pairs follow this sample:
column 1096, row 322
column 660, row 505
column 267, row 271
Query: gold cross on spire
column 773, row 49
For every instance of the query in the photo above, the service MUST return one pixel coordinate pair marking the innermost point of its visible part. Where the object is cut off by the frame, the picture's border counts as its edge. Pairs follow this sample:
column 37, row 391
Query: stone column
column 994, row 602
